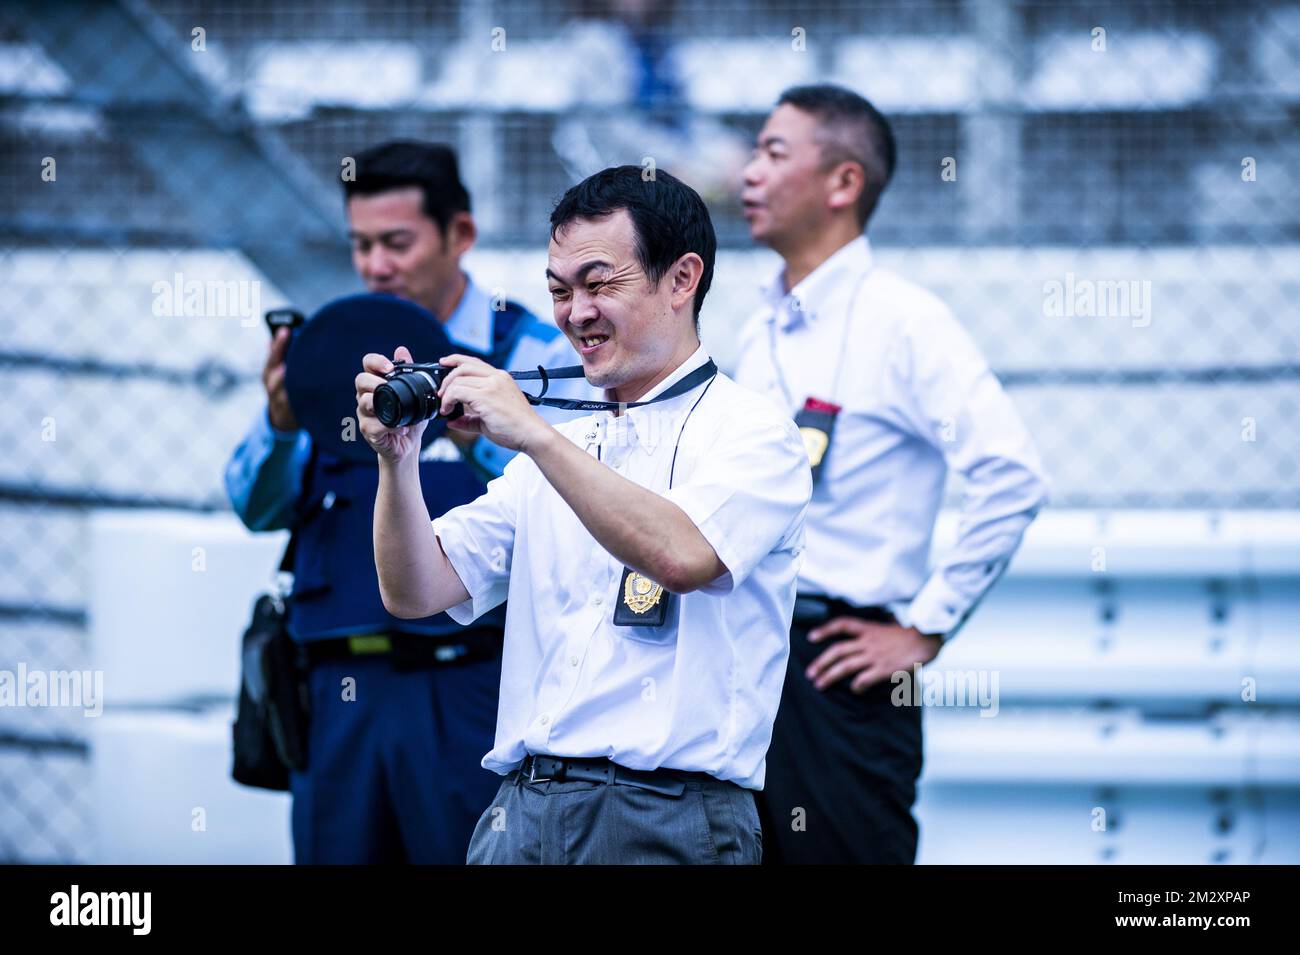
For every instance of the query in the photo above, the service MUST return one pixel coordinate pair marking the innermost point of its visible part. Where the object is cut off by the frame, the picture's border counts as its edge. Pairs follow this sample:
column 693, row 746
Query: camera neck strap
column 699, row 376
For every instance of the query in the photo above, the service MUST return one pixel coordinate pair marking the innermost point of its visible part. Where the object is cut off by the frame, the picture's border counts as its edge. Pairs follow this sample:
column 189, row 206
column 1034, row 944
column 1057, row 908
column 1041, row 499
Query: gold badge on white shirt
column 643, row 602
column 816, row 423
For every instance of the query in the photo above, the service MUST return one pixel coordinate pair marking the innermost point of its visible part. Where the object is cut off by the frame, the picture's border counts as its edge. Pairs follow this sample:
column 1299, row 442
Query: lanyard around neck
column 696, row 378
column 672, row 470
column 844, row 347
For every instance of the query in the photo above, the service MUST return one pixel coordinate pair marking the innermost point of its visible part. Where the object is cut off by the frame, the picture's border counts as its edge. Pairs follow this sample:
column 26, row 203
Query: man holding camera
column 649, row 552
column 891, row 394
column 401, row 709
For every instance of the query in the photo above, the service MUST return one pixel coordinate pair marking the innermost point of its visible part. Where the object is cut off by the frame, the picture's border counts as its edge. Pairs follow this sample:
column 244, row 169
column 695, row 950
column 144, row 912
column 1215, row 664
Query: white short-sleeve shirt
column 698, row 693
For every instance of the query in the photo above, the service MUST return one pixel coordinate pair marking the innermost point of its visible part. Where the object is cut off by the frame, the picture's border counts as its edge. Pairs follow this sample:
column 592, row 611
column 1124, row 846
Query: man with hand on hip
column 649, row 552
column 891, row 394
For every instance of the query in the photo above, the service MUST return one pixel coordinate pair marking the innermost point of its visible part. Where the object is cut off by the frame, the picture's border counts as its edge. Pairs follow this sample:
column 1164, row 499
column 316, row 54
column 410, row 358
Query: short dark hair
column 403, row 163
column 668, row 217
column 852, row 130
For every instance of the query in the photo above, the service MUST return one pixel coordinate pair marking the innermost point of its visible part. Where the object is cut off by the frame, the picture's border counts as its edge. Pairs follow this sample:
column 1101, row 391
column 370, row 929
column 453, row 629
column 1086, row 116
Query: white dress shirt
column 918, row 399
column 699, row 693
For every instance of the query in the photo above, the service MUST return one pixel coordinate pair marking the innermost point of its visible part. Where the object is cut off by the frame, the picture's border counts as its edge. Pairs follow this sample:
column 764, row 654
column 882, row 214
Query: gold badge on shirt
column 644, row 603
column 816, row 424
column 815, row 442
column 640, row 593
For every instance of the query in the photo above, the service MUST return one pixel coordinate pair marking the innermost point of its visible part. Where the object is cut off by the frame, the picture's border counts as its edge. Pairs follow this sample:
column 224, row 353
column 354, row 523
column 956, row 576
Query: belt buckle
column 364, row 644
column 532, row 771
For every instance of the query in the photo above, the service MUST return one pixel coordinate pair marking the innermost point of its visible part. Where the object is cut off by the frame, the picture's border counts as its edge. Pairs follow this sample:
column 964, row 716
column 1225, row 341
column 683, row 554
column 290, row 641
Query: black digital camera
column 410, row 394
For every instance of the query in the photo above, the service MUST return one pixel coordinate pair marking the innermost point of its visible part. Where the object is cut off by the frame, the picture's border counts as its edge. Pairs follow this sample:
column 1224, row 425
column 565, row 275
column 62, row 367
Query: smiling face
column 398, row 249
column 786, row 185
column 630, row 332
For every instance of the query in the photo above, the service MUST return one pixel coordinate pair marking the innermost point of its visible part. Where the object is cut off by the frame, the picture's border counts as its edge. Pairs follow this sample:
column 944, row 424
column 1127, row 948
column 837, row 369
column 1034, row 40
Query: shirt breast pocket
column 664, row 636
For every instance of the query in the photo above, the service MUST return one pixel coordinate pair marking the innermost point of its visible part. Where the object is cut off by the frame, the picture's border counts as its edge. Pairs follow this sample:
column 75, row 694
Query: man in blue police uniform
column 401, row 710
column 891, row 394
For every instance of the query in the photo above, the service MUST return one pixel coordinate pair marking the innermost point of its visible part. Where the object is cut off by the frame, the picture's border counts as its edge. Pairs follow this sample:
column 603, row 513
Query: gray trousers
column 559, row 823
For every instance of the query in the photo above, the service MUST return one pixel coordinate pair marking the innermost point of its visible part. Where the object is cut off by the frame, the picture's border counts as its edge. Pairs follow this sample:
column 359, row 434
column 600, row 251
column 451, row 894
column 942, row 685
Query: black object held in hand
column 410, row 395
column 278, row 318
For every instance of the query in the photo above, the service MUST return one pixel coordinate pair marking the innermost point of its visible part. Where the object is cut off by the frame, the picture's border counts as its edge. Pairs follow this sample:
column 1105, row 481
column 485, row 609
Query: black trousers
column 841, row 771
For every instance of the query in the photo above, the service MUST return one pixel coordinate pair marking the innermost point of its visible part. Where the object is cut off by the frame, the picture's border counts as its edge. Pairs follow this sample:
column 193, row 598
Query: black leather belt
column 407, row 651
column 812, row 610
column 598, row 769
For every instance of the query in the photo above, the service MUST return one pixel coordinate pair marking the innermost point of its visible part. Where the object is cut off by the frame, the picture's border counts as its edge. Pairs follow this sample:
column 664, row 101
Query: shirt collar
column 650, row 437
column 810, row 296
column 471, row 323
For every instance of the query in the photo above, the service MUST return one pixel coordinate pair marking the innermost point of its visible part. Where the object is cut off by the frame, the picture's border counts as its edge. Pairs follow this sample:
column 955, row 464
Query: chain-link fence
column 1104, row 193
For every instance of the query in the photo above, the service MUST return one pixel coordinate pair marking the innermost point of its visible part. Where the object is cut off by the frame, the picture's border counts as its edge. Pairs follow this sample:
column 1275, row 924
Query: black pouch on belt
column 270, row 728
column 816, row 422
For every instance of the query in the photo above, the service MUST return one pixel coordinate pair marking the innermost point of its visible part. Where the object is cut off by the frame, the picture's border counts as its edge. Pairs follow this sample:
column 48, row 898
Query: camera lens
column 406, row 399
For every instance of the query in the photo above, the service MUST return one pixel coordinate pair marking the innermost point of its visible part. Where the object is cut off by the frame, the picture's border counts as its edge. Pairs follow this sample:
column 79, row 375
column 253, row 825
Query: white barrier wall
column 170, row 596
column 163, row 792
column 1147, row 704
column 1140, row 673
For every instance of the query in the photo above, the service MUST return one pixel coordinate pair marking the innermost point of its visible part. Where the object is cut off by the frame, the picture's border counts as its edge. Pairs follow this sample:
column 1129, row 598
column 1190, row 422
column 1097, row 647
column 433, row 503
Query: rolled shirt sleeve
column 747, row 495
column 478, row 539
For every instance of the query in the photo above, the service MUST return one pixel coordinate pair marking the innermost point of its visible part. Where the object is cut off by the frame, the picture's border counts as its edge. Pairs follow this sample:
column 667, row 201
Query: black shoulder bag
column 270, row 730
column 274, row 699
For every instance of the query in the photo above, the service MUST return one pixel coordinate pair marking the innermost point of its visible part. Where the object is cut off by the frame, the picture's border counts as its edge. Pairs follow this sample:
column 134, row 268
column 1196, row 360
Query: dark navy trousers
column 393, row 773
